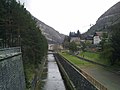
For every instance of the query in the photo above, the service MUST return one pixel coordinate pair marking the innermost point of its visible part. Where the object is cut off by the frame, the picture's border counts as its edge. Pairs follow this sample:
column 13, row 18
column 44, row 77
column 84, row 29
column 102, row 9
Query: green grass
column 89, row 55
column 76, row 61
column 29, row 75
column 94, row 57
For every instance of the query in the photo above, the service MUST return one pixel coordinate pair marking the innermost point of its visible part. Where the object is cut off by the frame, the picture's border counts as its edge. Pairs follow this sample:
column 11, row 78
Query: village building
column 97, row 37
column 75, row 37
column 89, row 39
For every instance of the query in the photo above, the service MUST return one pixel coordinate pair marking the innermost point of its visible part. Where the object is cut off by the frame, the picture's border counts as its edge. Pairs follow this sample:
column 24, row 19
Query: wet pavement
column 51, row 78
column 109, row 79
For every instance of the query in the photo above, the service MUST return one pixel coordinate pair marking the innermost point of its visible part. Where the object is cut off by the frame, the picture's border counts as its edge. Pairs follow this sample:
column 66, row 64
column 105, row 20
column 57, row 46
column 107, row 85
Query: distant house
column 55, row 47
column 50, row 46
column 89, row 39
column 97, row 37
column 75, row 37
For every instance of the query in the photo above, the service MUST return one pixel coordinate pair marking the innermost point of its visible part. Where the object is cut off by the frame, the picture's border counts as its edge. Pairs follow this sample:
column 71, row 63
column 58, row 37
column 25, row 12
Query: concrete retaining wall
column 80, row 82
column 12, row 73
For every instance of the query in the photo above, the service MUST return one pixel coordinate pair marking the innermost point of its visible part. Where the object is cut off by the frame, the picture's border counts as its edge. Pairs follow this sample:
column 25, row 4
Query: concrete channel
column 51, row 77
column 59, row 74
column 76, row 79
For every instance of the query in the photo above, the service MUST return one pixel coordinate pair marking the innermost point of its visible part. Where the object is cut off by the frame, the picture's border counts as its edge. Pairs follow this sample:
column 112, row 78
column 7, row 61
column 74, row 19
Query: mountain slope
column 50, row 33
column 109, row 18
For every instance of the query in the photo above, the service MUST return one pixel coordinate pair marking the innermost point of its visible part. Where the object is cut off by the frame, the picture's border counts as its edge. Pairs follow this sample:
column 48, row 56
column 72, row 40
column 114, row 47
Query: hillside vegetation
column 106, row 20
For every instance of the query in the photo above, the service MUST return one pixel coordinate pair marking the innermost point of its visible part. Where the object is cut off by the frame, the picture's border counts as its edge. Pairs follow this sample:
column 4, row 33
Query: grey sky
column 68, row 15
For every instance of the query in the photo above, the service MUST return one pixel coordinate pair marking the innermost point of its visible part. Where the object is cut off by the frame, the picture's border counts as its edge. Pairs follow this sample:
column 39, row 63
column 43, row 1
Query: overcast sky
column 68, row 15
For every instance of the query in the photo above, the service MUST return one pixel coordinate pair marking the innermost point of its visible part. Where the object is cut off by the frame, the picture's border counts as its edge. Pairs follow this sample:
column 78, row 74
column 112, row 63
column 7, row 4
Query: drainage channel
column 51, row 77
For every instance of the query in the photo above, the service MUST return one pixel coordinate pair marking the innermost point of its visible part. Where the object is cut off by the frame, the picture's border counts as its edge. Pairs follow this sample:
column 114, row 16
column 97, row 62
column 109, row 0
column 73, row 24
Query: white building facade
column 96, row 40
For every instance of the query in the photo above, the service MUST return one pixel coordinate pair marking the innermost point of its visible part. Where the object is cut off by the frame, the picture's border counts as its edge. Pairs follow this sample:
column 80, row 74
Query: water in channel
column 51, row 78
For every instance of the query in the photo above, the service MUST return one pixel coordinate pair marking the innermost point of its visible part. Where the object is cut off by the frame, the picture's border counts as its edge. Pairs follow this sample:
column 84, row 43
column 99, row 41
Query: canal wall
column 78, row 80
column 68, row 83
column 11, row 70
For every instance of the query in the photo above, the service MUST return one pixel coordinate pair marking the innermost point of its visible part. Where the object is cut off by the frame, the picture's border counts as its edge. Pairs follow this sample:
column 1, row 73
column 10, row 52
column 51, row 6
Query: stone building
column 75, row 37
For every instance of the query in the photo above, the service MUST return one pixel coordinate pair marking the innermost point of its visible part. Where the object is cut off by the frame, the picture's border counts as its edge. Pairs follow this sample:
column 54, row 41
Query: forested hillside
column 17, row 28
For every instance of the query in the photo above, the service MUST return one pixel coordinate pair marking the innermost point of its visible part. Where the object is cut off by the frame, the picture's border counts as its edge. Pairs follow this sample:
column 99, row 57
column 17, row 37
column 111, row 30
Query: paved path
column 107, row 78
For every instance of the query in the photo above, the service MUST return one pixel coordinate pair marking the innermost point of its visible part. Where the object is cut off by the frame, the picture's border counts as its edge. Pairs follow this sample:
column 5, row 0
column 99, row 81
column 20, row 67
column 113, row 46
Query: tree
column 66, row 42
column 78, row 34
column 73, row 47
column 107, row 52
column 104, row 40
column 115, row 43
column 83, row 46
column 111, row 48
column 16, row 23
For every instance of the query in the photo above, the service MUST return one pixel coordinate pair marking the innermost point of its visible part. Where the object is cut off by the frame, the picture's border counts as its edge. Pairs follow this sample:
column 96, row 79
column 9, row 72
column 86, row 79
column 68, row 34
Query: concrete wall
column 12, row 73
column 78, row 80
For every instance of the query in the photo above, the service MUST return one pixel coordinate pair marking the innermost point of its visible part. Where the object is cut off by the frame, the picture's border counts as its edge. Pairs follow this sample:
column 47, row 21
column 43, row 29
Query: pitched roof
column 89, row 37
column 73, row 34
column 98, row 34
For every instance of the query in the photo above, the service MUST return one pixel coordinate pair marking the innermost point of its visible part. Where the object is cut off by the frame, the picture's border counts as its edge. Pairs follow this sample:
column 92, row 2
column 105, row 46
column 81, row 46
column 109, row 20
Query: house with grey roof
column 75, row 37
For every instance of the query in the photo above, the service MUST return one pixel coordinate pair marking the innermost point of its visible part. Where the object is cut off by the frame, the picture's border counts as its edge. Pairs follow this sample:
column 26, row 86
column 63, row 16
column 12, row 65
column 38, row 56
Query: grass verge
column 76, row 61
column 29, row 75
column 94, row 57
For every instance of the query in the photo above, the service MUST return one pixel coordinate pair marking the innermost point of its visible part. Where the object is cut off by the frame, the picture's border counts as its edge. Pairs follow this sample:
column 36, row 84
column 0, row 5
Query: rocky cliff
column 50, row 33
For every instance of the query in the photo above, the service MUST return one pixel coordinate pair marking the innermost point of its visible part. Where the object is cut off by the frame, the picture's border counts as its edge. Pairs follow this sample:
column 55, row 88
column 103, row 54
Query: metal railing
column 96, row 83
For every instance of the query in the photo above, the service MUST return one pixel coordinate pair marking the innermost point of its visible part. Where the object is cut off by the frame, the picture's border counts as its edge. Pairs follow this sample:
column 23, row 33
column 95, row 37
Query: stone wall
column 12, row 73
